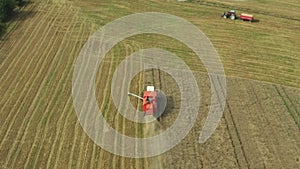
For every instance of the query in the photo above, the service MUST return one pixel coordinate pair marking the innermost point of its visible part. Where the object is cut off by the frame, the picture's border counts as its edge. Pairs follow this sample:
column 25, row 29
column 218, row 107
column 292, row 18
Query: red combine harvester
column 149, row 101
column 154, row 101
column 246, row 17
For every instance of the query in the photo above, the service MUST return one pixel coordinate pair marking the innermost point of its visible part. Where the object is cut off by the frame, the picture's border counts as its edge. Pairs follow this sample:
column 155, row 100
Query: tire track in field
column 251, row 91
column 65, row 77
column 132, row 126
column 26, row 95
column 26, row 68
column 84, row 148
column 138, row 131
column 63, row 49
column 44, row 62
column 37, row 76
column 74, row 135
column 105, row 106
column 115, row 158
column 89, row 141
column 128, row 50
column 77, row 126
column 31, row 117
column 83, row 137
column 158, row 160
column 146, row 75
column 297, row 113
column 282, row 154
column 234, row 136
column 15, row 65
column 155, row 127
column 63, row 139
column 58, row 153
column 230, row 135
column 180, row 156
column 289, row 105
column 118, row 119
column 285, row 120
column 95, row 155
column 22, row 92
column 61, row 145
column 23, row 48
column 23, row 137
column 274, row 120
column 281, row 77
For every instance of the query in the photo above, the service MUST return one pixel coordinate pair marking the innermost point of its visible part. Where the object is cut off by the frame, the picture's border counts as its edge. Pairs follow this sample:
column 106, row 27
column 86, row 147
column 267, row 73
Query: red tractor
column 154, row 101
column 230, row 14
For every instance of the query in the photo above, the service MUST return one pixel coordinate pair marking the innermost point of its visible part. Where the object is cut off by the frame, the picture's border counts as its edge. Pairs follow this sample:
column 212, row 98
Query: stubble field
column 260, row 127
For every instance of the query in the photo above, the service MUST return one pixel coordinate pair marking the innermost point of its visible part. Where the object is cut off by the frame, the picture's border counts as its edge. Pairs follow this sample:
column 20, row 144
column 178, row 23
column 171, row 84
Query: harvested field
column 260, row 127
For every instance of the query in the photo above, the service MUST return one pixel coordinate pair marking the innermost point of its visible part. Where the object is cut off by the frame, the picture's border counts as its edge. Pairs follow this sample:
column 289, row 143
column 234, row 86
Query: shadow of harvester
column 168, row 108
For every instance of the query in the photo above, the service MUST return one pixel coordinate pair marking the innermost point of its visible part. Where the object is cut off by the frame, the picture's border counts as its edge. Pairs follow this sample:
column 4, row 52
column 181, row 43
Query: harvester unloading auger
column 154, row 101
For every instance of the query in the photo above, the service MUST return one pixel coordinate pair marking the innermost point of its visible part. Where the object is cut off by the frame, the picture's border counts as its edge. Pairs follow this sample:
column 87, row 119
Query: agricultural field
column 260, row 127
